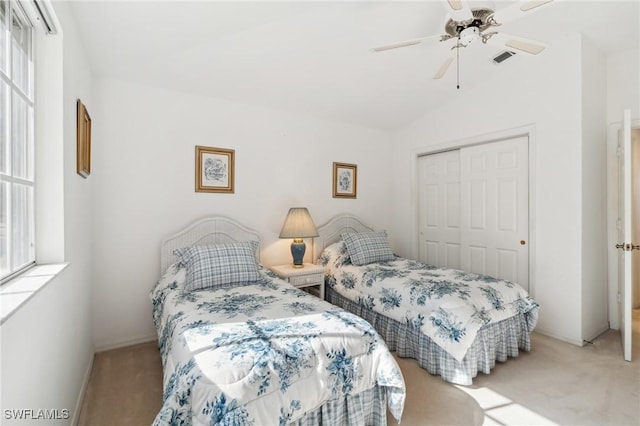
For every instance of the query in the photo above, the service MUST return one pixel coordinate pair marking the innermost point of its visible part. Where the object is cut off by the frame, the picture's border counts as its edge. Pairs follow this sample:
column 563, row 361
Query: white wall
column 47, row 344
column 594, row 202
column 544, row 92
column 623, row 84
column 143, row 166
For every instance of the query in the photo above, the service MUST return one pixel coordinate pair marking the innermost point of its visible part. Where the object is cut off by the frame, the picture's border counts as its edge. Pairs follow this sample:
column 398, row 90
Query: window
column 17, row 247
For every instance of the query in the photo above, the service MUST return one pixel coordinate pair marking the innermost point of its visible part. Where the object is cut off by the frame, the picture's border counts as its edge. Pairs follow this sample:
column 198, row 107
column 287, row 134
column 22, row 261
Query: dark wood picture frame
column 345, row 180
column 215, row 169
column 83, row 140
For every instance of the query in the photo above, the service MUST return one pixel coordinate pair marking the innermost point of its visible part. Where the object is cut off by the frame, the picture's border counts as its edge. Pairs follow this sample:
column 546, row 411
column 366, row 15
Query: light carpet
column 555, row 384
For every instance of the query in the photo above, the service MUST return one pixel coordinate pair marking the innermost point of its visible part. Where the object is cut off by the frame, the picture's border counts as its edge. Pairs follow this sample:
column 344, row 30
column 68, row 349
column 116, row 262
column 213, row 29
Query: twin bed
column 452, row 322
column 240, row 346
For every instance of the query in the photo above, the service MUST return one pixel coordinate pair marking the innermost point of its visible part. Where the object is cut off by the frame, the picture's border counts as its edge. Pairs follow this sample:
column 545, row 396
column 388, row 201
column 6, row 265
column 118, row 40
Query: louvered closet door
column 439, row 209
column 495, row 209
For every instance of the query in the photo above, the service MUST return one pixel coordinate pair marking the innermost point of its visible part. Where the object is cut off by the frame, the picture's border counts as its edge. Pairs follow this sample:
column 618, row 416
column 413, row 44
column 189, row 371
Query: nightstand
column 309, row 276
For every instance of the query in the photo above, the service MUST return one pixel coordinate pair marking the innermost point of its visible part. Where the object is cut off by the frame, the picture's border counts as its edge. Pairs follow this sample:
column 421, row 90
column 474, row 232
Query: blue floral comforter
column 447, row 305
column 261, row 354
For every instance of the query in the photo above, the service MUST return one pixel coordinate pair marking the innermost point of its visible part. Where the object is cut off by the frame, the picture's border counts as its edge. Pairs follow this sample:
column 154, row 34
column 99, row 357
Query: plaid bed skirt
column 494, row 342
column 368, row 408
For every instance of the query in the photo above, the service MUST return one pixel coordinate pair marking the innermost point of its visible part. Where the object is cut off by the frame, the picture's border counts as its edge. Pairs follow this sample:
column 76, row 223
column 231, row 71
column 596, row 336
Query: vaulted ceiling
column 315, row 57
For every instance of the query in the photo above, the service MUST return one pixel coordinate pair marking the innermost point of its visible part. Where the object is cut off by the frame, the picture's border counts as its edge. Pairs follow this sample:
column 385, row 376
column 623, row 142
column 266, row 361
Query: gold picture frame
column 345, row 180
column 215, row 169
column 83, row 140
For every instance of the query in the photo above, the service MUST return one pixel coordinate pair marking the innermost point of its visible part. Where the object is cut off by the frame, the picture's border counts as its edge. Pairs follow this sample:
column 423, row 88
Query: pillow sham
column 219, row 265
column 368, row 247
column 335, row 254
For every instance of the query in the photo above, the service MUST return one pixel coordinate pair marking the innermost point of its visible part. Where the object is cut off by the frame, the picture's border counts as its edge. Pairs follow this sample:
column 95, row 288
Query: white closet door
column 495, row 210
column 439, row 209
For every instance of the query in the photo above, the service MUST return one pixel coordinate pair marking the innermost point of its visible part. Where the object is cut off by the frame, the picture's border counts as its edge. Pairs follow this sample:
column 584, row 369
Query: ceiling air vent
column 503, row 57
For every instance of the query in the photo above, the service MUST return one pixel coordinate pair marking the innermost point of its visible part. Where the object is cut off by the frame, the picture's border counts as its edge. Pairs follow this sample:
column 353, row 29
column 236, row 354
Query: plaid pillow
column 368, row 247
column 219, row 265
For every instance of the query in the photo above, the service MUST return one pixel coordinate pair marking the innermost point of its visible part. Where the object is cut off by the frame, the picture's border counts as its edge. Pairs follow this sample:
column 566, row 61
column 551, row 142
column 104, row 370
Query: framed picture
column 214, row 169
column 83, row 140
column 345, row 180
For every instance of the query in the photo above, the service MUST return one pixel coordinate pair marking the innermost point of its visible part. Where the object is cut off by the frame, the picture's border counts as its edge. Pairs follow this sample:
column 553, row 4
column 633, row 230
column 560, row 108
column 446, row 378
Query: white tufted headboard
column 331, row 231
column 210, row 230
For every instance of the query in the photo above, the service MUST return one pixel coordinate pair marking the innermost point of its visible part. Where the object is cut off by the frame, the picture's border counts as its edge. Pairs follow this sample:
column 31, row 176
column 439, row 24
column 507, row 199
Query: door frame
column 612, row 217
column 526, row 130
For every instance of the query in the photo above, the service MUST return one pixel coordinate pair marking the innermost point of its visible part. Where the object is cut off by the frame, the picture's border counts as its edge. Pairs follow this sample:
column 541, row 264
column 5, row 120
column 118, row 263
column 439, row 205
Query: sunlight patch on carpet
column 500, row 410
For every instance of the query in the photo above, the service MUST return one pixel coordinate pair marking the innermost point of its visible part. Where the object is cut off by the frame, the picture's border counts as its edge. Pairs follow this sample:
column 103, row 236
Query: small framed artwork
column 214, row 169
column 83, row 140
column 345, row 180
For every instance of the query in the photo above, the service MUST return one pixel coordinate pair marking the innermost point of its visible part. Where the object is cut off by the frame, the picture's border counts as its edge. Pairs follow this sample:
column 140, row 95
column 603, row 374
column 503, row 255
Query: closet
column 473, row 209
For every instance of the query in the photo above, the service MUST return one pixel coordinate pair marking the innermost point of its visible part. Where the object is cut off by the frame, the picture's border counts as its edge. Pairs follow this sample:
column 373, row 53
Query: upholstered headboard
column 210, row 230
column 331, row 231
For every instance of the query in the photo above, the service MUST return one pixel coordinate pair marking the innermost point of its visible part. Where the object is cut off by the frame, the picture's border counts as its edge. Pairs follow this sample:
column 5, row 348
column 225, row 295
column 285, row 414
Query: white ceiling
column 314, row 57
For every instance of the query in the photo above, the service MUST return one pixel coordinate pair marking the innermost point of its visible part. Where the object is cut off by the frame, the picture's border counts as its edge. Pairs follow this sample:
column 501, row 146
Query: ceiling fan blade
column 458, row 10
column 423, row 40
column 520, row 44
column 520, row 9
column 443, row 68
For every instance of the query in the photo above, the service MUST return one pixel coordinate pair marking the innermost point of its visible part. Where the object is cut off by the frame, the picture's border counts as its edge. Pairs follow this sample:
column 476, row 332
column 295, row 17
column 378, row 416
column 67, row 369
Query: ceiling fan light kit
column 469, row 35
column 478, row 24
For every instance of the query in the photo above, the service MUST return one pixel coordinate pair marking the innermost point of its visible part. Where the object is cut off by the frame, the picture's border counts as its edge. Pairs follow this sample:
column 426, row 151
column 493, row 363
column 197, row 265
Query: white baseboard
column 557, row 337
column 83, row 389
column 123, row 343
column 603, row 329
column 87, row 374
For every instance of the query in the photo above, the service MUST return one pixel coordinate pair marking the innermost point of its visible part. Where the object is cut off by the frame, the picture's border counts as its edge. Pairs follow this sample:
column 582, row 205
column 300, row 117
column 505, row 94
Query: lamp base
column 298, row 248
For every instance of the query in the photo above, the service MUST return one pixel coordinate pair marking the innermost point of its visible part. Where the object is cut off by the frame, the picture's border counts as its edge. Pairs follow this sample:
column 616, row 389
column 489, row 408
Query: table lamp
column 298, row 225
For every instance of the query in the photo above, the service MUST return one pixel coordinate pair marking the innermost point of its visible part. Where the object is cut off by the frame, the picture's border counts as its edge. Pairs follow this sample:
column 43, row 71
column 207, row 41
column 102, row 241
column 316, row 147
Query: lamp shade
column 298, row 224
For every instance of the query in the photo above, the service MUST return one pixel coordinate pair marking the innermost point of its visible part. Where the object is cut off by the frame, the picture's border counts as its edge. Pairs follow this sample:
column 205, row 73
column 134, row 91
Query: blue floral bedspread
column 262, row 354
column 447, row 305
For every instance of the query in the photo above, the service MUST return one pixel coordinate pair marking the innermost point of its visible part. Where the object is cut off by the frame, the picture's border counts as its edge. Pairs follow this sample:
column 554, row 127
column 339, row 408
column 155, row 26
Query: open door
column 625, row 246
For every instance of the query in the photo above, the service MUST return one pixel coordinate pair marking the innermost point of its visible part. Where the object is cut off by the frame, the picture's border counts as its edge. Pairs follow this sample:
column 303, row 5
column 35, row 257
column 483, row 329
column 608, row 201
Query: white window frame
column 11, row 177
column 46, row 218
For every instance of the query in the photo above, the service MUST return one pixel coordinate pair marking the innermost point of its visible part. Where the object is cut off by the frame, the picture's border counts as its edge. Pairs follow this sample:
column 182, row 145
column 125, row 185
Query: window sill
column 19, row 290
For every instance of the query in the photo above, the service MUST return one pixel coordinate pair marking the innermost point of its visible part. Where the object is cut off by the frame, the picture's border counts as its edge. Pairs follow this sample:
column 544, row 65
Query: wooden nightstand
column 309, row 276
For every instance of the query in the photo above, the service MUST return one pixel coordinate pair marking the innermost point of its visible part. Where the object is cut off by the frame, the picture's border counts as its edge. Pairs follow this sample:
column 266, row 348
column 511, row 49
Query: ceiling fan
column 466, row 26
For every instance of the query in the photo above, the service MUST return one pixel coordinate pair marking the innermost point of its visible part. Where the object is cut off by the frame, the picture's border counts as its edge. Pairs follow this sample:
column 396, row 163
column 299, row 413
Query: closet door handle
column 628, row 246
column 522, row 242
